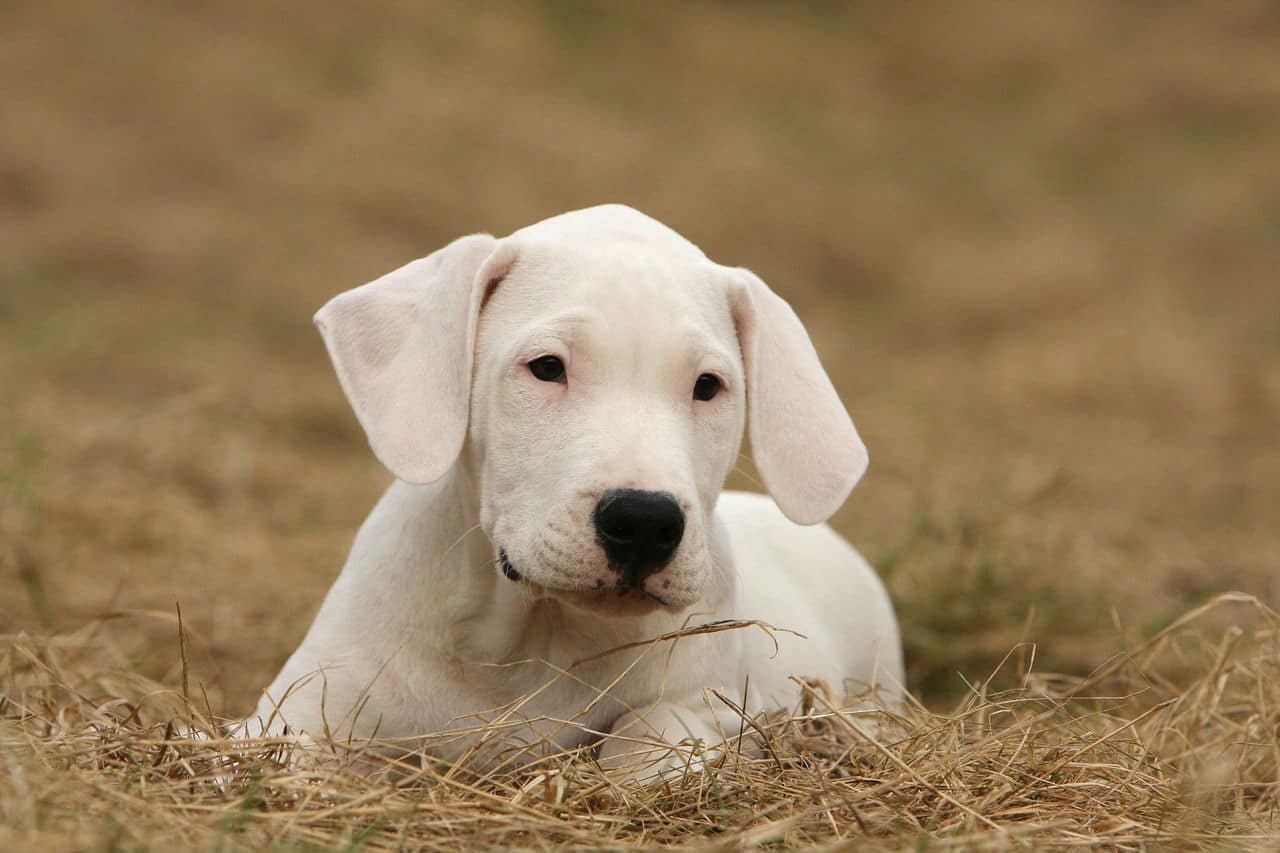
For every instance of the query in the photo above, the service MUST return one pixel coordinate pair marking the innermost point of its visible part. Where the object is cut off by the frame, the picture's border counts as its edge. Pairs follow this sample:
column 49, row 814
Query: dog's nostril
column 639, row 530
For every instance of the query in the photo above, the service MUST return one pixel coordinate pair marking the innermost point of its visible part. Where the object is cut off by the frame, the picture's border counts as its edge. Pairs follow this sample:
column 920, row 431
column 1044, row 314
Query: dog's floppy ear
column 403, row 347
column 805, row 446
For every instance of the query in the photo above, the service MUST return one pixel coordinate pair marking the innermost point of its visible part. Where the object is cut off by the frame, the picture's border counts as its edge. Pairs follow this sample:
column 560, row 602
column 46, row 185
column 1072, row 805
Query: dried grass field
column 1038, row 246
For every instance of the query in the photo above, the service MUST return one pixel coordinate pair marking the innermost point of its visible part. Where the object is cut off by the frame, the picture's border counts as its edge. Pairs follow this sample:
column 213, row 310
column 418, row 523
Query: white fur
column 423, row 634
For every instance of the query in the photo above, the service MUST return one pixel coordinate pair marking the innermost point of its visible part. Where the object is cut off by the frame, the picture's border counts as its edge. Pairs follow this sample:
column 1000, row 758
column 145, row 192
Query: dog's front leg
column 665, row 739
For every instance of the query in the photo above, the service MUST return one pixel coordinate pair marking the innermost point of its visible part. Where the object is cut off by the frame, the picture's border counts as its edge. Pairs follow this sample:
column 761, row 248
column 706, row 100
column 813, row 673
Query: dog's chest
column 593, row 679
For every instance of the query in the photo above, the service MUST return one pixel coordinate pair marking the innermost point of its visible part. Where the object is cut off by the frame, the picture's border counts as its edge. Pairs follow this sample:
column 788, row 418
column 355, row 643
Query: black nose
column 639, row 530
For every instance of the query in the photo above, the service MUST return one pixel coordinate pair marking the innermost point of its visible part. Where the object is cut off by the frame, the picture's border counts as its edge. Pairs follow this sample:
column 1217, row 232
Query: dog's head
column 594, row 373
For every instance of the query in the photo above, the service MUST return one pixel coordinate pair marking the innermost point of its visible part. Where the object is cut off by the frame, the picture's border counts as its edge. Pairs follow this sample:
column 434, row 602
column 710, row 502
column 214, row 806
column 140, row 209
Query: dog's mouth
column 509, row 570
column 621, row 595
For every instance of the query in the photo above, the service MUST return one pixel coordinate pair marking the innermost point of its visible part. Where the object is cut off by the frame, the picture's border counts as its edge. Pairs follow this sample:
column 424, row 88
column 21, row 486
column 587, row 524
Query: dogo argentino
column 561, row 408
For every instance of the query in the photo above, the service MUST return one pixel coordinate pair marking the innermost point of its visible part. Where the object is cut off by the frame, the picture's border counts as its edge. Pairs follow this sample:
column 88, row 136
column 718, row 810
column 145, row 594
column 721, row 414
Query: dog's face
column 594, row 372
column 607, row 408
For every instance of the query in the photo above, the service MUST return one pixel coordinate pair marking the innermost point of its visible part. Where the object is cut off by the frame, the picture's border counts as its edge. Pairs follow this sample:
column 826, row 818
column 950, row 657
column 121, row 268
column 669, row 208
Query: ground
column 1036, row 245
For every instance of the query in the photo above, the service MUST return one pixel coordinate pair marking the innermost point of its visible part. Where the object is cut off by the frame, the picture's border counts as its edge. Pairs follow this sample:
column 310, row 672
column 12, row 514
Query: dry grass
column 1036, row 244
column 1125, row 759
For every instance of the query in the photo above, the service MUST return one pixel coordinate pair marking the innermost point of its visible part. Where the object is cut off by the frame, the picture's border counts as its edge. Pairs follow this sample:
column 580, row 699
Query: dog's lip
column 509, row 570
column 621, row 597
column 612, row 600
column 622, row 590
column 598, row 593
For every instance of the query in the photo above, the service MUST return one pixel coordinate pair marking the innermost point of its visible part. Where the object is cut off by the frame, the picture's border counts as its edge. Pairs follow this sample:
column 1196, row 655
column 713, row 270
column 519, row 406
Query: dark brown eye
column 706, row 387
column 548, row 368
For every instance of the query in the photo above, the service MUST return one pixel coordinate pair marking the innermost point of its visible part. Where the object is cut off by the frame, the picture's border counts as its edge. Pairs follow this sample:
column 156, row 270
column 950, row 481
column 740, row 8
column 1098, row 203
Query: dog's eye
column 548, row 368
column 706, row 387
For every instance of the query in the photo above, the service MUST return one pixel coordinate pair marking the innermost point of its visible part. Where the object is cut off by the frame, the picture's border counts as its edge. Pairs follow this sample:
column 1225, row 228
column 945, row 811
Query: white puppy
column 561, row 408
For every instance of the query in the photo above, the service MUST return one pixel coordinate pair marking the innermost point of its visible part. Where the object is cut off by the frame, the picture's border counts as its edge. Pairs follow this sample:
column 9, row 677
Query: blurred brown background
column 1037, row 245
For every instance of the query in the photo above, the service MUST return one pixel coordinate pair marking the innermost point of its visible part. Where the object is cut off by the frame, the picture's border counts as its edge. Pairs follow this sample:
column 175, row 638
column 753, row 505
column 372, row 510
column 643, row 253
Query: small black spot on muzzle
column 507, row 569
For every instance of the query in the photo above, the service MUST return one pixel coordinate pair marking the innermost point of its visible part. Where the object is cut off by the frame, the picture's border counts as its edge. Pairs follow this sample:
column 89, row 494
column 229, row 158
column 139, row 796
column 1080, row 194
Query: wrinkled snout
column 639, row 530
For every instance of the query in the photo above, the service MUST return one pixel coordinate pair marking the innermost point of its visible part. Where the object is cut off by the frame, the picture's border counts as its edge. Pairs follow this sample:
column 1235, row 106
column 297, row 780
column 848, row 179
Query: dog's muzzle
column 639, row 530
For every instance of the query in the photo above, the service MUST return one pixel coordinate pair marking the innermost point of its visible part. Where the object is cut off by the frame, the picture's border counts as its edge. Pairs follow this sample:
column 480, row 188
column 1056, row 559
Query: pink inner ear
column 806, row 447
column 494, row 269
column 402, row 348
column 489, row 289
